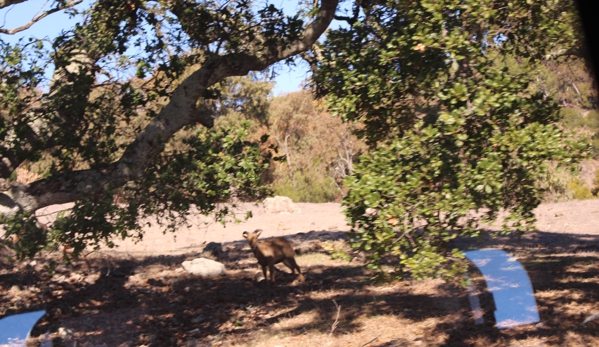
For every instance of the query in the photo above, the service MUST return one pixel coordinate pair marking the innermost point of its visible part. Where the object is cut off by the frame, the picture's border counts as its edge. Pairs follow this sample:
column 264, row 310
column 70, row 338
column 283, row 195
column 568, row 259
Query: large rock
column 280, row 204
column 212, row 249
column 204, row 267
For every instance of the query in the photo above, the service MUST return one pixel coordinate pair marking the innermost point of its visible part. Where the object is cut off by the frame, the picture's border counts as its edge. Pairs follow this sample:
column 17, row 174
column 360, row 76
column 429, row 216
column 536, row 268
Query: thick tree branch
column 354, row 18
column 37, row 18
column 179, row 112
column 73, row 57
column 11, row 158
column 6, row 3
column 313, row 30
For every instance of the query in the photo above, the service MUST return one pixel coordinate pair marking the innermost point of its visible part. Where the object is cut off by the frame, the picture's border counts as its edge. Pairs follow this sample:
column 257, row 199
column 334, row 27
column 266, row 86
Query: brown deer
column 272, row 252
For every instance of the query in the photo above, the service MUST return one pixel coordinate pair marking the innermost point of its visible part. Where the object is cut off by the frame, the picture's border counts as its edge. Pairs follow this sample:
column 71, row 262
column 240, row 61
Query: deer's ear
column 257, row 232
column 245, row 234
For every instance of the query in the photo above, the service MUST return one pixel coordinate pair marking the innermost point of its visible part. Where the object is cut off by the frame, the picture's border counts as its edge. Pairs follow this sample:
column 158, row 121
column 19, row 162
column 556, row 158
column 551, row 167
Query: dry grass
column 152, row 302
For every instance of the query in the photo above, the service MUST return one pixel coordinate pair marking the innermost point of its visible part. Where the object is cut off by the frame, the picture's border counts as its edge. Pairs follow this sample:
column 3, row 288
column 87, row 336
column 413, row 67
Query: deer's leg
column 264, row 272
column 293, row 266
column 271, row 267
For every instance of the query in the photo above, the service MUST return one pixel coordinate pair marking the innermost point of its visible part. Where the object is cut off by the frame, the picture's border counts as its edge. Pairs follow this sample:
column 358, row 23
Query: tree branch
column 37, row 18
column 355, row 13
column 73, row 57
column 6, row 3
column 179, row 112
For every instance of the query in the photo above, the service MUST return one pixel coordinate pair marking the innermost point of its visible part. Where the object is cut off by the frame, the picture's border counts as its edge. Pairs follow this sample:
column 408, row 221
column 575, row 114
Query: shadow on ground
column 150, row 301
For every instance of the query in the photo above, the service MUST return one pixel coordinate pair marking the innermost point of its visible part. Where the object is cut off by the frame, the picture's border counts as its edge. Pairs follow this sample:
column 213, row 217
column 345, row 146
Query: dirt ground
column 579, row 217
column 310, row 217
column 139, row 295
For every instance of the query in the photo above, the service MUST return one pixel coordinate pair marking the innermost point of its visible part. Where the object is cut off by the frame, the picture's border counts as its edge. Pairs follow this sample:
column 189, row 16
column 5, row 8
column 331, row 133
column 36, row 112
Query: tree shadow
column 563, row 273
column 151, row 301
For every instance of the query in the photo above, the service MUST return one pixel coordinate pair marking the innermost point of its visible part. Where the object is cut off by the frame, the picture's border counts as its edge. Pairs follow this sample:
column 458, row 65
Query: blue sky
column 288, row 80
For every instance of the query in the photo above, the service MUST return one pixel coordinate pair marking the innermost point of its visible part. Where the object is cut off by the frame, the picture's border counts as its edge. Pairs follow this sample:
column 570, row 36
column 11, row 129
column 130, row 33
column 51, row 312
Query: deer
column 272, row 252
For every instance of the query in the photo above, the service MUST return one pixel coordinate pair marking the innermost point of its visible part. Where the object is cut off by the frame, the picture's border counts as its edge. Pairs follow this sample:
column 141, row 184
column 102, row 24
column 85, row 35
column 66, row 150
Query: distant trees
column 319, row 150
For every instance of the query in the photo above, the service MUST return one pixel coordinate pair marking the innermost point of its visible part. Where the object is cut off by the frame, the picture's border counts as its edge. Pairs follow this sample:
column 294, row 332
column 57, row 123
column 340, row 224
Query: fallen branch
column 336, row 318
column 371, row 341
column 590, row 318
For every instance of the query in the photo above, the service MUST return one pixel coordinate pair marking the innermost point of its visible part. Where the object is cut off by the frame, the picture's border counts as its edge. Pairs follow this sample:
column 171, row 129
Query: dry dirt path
column 577, row 217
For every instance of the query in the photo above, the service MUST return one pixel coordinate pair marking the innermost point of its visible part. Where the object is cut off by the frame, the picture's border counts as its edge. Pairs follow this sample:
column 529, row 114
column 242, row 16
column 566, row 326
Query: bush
column 595, row 190
column 307, row 189
column 589, row 124
column 573, row 119
column 554, row 182
column 561, row 184
column 579, row 190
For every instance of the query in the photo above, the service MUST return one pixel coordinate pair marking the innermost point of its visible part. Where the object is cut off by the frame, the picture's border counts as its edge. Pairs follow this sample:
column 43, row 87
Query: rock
column 192, row 343
column 308, row 247
column 198, row 319
column 213, row 249
column 92, row 278
column 147, row 339
column 370, row 211
column 46, row 341
column 75, row 278
column 64, row 332
column 204, row 267
column 280, row 204
column 15, row 290
column 259, row 277
column 248, row 261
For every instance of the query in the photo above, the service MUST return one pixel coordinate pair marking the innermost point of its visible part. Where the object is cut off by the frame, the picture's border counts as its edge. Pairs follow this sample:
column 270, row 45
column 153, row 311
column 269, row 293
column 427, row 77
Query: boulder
column 280, row 204
column 212, row 249
column 204, row 267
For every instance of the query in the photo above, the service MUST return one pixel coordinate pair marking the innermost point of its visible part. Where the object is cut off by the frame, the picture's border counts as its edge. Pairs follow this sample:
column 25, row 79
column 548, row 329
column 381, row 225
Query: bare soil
column 139, row 295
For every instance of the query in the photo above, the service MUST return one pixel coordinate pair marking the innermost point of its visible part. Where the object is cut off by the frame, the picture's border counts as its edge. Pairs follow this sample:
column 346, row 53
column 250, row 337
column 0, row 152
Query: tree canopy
column 456, row 135
column 125, row 79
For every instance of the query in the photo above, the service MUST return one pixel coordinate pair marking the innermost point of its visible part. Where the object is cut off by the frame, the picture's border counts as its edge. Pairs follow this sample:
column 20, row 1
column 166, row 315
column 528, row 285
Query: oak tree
column 124, row 79
column 455, row 137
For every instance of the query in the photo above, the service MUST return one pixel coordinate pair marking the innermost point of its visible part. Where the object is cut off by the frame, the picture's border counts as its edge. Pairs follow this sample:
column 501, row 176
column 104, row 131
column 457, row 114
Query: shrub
column 307, row 188
column 579, row 190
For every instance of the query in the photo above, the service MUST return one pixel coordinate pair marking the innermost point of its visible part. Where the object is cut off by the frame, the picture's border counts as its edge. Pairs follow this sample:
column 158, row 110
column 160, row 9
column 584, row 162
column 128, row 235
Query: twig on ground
column 371, row 341
column 336, row 318
column 590, row 318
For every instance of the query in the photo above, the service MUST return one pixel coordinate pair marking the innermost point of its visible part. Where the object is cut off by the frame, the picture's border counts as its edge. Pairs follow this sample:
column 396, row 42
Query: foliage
column 319, row 149
column 569, row 82
column 562, row 184
column 451, row 131
column 248, row 96
column 130, row 82
column 587, row 125
column 554, row 182
column 595, row 189
column 313, row 188
column 230, row 167
column 580, row 190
